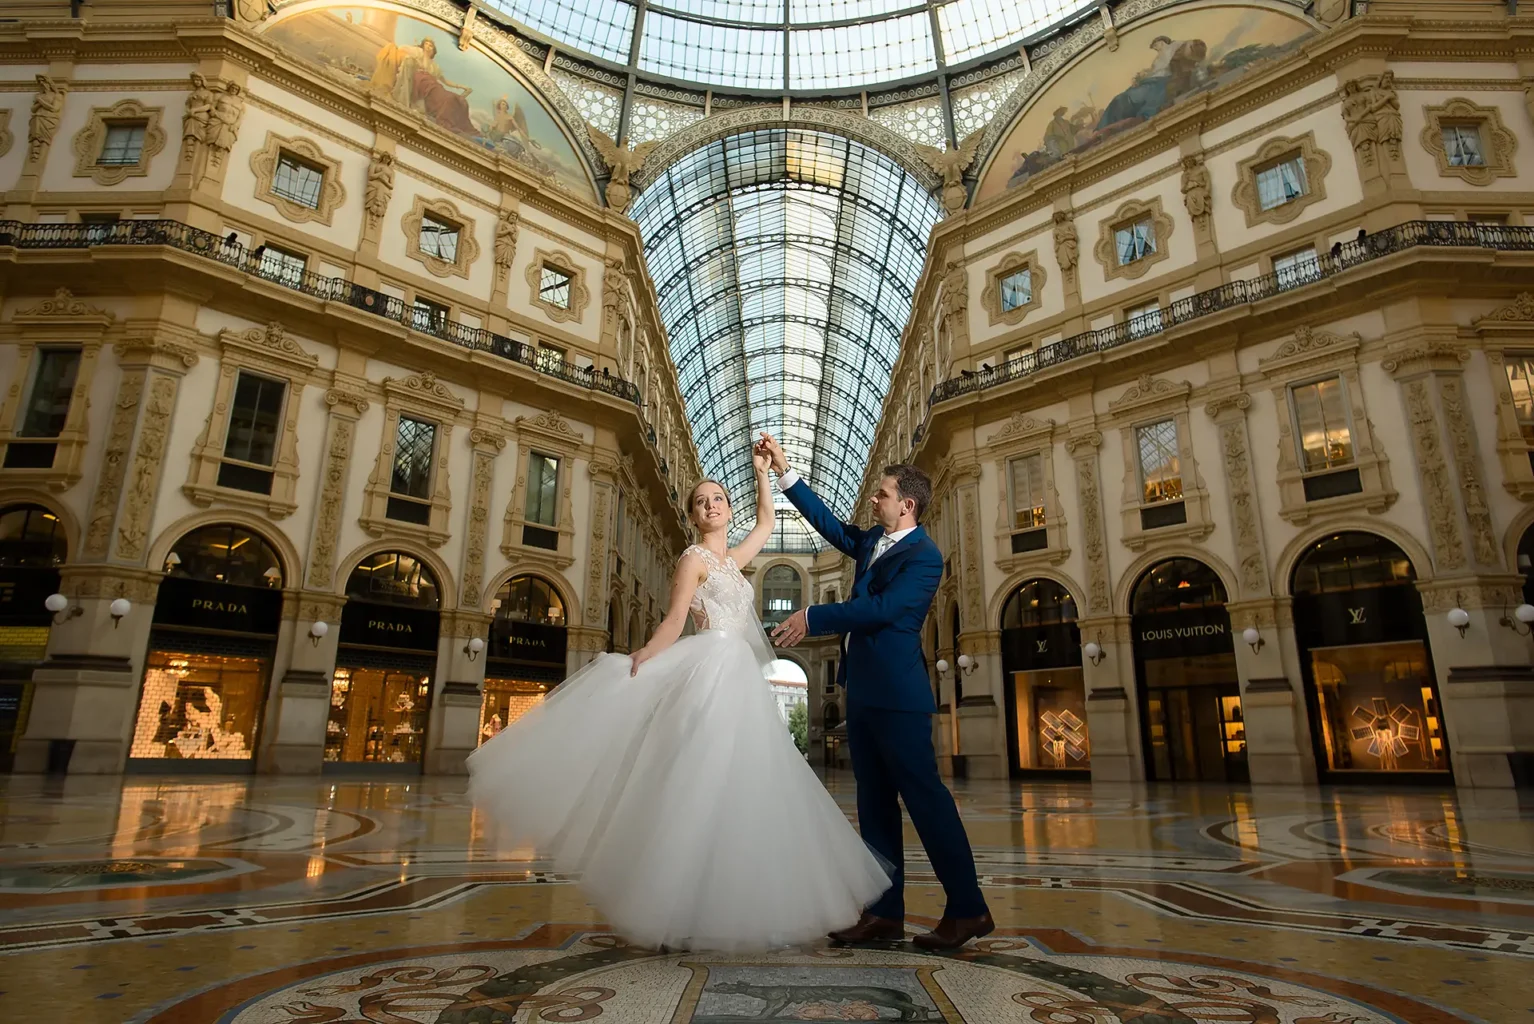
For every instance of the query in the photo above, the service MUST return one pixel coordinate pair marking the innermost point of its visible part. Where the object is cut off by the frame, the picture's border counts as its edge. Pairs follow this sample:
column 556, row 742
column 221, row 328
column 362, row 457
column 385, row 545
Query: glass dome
column 788, row 45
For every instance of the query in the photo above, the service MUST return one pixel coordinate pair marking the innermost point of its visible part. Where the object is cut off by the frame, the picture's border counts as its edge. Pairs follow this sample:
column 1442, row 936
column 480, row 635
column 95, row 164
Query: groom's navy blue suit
column 890, row 706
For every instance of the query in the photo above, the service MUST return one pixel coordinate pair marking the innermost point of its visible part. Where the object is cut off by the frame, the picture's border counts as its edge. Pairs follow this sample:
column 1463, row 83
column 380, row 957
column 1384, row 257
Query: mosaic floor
column 188, row 901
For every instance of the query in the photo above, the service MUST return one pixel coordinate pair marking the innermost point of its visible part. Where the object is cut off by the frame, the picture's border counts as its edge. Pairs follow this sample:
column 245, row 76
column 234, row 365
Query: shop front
column 1044, row 693
column 380, row 692
column 525, row 658
column 32, row 547
column 209, row 661
column 1370, row 689
column 1185, row 667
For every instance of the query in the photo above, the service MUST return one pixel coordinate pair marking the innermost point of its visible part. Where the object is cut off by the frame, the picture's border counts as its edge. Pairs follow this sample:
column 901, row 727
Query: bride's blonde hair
column 692, row 495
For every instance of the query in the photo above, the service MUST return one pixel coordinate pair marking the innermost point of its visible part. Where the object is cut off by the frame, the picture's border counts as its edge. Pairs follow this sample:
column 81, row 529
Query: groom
column 889, row 698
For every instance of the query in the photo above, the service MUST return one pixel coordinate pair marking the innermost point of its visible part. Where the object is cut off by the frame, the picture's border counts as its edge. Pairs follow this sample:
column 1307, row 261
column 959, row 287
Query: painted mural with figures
column 1157, row 63
column 419, row 66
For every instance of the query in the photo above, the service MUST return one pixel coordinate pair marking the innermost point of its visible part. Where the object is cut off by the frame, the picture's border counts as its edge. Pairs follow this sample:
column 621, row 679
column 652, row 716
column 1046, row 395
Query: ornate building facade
column 342, row 434
column 1223, row 382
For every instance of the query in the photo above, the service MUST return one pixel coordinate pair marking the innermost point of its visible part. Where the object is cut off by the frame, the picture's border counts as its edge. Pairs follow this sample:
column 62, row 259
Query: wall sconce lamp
column 1094, row 651
column 967, row 665
column 56, row 603
column 1253, row 638
column 317, row 631
column 171, row 561
column 120, row 607
column 1524, row 613
column 1458, row 617
column 473, row 647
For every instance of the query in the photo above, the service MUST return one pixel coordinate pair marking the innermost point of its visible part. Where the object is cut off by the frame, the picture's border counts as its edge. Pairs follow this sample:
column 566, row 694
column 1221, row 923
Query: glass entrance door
column 1193, row 720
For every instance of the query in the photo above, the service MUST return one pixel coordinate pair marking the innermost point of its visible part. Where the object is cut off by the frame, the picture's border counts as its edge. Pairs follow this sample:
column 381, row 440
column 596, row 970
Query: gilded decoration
column 47, row 110
column 558, row 259
column 264, row 161
column 1012, row 263
column 1317, row 164
column 621, row 162
column 90, row 139
column 465, row 250
column 1130, row 213
column 1498, row 145
column 950, row 165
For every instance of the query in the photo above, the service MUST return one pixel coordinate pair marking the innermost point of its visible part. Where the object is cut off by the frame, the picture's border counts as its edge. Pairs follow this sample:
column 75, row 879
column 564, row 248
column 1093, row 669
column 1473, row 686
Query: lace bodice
column 725, row 597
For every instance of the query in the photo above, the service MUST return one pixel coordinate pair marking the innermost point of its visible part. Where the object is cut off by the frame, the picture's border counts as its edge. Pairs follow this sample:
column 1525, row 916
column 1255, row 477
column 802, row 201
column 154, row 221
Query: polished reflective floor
column 287, row 900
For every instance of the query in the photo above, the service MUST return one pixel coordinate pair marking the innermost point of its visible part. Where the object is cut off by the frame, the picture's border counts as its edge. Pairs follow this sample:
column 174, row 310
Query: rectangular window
column 439, row 238
column 298, row 182
column 255, row 419
column 1135, row 241
column 1321, row 415
column 542, row 490
column 1160, row 464
column 1520, row 377
column 551, row 358
column 283, row 265
column 1027, row 479
column 414, row 442
column 1143, row 320
column 1300, row 267
column 124, row 144
column 1016, row 355
column 1016, row 289
column 52, row 386
column 554, row 287
column 1281, row 183
column 428, row 316
column 1462, row 143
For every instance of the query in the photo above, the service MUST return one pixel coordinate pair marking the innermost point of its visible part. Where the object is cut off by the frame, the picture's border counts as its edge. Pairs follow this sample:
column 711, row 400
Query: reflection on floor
column 308, row 901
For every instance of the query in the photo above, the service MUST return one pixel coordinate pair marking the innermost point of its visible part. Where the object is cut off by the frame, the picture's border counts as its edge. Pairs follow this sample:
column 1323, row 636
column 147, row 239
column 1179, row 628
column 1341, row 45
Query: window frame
column 580, row 295
column 548, row 434
column 131, row 156
column 1246, row 196
column 265, row 163
column 423, row 398
column 1129, row 214
column 445, row 212
column 1021, row 437
column 1147, row 402
column 1498, row 145
column 1299, row 437
column 1008, row 266
column 90, row 142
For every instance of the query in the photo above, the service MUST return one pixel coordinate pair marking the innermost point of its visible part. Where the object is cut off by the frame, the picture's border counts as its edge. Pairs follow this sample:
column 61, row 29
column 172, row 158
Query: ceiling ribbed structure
column 785, row 261
column 788, row 45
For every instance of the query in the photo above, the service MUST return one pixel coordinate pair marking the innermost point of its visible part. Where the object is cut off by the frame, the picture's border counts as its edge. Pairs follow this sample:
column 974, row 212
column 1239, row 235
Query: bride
column 668, row 781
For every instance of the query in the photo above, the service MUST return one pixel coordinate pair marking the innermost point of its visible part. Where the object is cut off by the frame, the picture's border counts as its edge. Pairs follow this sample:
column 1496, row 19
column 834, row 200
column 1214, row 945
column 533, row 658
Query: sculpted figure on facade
column 1385, row 106
column 47, row 109
column 952, row 164
column 621, row 163
column 1067, row 245
column 506, row 239
column 1196, row 189
column 380, row 186
column 224, row 124
column 198, row 116
column 1357, row 114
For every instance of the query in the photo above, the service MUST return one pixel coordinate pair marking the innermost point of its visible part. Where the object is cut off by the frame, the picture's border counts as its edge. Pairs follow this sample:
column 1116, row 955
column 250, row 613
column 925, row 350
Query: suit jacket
column 883, row 666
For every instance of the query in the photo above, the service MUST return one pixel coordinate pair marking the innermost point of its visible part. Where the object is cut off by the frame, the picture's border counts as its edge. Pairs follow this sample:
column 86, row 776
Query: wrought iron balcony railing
column 1410, row 235
column 332, row 289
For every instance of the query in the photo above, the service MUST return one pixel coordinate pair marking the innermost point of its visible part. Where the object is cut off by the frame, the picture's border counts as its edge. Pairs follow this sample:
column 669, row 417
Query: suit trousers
column 893, row 761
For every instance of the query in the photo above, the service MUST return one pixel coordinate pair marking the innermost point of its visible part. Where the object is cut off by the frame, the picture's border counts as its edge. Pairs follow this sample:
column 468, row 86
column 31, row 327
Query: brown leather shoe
column 953, row 932
column 871, row 929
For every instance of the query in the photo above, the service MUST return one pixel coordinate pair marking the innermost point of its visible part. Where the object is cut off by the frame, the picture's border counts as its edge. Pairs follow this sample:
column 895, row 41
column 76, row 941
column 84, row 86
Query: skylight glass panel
column 721, row 55
column 600, row 29
column 768, row 12
column 859, row 54
column 801, row 11
column 974, row 28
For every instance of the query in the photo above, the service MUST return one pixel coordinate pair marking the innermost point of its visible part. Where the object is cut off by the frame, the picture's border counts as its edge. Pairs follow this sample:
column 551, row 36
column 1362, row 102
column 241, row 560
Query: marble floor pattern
column 310, row 901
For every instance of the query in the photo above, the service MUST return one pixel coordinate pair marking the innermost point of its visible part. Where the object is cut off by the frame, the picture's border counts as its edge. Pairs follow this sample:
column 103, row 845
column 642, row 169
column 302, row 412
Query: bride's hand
column 639, row 657
column 761, row 459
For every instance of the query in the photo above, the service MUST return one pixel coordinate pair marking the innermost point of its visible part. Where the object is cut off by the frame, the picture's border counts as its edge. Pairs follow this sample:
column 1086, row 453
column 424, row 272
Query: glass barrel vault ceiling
column 788, row 45
column 785, row 261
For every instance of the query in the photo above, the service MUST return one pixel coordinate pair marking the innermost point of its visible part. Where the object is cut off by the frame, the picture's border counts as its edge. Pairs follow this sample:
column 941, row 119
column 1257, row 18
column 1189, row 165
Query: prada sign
column 1372, row 615
column 1185, row 634
column 1040, row 647
column 221, row 606
column 386, row 625
column 528, row 642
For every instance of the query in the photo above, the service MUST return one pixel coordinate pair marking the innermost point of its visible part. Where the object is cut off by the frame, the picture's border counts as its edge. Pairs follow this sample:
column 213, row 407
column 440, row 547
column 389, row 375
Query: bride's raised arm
column 691, row 570
column 766, row 517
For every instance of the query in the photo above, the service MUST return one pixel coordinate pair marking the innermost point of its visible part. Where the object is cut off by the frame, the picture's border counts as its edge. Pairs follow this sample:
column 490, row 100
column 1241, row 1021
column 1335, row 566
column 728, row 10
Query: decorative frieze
column 327, row 521
column 1467, row 466
column 1433, row 473
column 1229, row 413
column 1094, row 542
column 144, row 474
column 114, row 465
column 487, row 445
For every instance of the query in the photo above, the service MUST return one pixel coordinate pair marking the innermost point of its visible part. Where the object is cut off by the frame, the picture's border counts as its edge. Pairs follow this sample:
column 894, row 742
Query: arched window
column 225, row 553
column 1038, row 602
column 1177, row 585
column 831, row 715
column 782, row 594
column 393, row 577
column 31, row 537
column 1351, row 561
column 529, row 599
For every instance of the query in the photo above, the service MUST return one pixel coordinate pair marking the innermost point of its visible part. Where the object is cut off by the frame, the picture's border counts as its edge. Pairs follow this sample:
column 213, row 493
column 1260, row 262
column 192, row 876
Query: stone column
column 453, row 732
column 296, row 737
column 978, row 717
column 603, row 472
column 583, row 647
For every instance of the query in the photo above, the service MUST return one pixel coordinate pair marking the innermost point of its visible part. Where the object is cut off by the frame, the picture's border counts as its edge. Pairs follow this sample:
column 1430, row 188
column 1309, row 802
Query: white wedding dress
column 678, row 796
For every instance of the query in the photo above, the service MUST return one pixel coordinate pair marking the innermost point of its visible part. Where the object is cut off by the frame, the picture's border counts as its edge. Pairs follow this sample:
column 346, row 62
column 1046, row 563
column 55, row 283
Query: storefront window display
column 377, row 716
column 526, row 656
column 199, row 706
column 1046, row 699
column 505, row 701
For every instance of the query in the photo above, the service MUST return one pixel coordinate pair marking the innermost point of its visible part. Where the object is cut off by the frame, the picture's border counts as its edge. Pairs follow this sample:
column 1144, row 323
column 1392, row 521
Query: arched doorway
column 525, row 658
column 1185, row 668
column 1369, row 683
column 782, row 594
column 32, row 547
column 206, row 674
column 1045, row 694
column 380, row 695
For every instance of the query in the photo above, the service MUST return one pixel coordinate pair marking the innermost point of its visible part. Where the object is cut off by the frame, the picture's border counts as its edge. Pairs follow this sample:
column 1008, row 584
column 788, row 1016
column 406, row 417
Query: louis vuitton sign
column 1183, row 634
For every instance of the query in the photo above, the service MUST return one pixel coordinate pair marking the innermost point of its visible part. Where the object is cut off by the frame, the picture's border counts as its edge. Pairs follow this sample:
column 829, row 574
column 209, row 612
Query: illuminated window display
column 1370, row 688
column 526, row 653
column 505, row 701
column 377, row 716
column 1046, row 704
column 199, row 706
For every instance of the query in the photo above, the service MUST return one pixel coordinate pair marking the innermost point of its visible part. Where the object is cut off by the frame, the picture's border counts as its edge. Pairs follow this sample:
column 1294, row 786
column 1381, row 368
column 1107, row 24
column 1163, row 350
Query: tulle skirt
column 680, row 800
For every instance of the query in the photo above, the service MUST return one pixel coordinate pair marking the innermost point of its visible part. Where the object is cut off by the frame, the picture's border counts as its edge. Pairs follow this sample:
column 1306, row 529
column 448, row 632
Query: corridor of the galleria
column 358, row 359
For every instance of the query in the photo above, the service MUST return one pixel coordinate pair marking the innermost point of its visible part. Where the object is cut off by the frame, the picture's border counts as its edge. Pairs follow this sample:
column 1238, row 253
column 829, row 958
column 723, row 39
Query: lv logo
column 1042, row 645
column 1356, row 617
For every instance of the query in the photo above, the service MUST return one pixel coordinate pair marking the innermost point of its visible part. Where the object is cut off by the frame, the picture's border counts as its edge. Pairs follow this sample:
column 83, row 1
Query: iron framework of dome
column 785, row 261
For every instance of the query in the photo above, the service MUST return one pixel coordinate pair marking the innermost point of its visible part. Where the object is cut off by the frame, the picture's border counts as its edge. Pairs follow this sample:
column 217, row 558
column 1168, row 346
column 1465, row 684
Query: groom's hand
column 792, row 629
column 774, row 451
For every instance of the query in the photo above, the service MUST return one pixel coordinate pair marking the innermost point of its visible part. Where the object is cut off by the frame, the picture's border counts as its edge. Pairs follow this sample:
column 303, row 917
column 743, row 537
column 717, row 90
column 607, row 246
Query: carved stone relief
column 148, row 456
column 47, row 109
column 114, row 466
column 1083, row 448
column 487, row 446
column 327, row 525
column 1437, row 487
column 1467, row 464
column 1246, row 527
